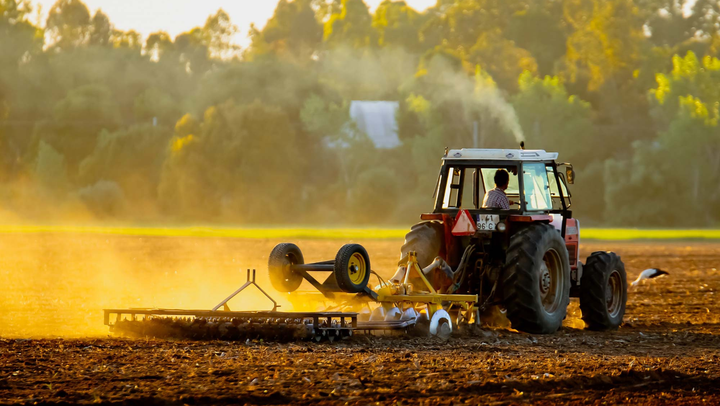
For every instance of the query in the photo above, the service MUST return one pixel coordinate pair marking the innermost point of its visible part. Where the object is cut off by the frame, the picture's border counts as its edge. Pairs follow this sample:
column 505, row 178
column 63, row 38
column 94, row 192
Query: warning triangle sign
column 464, row 224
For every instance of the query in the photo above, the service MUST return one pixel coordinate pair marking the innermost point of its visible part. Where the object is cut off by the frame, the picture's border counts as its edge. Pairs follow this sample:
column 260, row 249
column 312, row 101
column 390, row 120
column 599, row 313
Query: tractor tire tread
column 426, row 238
column 592, row 290
column 518, row 285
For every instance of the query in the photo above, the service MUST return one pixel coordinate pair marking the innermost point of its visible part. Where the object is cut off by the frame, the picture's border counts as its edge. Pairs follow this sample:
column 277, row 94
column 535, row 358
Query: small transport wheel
column 282, row 257
column 603, row 291
column 352, row 268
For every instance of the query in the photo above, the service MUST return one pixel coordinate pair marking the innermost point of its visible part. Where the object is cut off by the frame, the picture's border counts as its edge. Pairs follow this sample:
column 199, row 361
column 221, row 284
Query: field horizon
column 333, row 233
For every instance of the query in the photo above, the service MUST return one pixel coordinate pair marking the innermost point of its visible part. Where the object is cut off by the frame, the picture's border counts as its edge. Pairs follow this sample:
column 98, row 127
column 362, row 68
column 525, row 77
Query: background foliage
column 101, row 123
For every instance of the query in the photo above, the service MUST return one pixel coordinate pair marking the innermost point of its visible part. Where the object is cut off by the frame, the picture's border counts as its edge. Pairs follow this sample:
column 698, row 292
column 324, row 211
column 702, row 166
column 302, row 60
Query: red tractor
column 525, row 259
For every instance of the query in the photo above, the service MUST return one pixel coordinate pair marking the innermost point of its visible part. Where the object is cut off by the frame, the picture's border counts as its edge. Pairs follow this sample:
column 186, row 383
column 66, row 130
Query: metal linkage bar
column 248, row 283
column 320, row 266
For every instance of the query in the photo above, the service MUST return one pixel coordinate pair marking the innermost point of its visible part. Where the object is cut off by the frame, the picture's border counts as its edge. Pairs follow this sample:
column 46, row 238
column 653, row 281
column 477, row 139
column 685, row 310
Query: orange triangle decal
column 464, row 224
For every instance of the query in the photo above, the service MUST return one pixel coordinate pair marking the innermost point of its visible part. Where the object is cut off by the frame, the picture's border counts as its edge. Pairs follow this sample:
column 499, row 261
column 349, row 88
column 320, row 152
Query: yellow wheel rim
column 357, row 268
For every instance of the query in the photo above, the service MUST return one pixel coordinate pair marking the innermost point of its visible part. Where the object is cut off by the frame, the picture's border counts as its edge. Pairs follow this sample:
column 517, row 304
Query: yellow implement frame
column 403, row 293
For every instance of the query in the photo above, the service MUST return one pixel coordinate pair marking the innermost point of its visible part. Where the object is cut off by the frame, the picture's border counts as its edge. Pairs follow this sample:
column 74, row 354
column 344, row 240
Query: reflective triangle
column 464, row 224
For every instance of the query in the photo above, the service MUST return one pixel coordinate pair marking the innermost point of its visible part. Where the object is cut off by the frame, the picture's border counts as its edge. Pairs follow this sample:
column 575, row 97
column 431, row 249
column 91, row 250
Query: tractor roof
column 475, row 154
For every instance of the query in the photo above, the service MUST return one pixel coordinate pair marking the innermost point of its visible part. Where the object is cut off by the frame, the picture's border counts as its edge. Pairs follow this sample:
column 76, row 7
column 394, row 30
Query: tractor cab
column 536, row 186
column 537, row 192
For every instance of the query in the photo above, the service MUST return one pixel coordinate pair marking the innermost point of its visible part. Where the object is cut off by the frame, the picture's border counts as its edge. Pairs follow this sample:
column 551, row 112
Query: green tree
column 159, row 44
column 51, row 170
column 398, row 25
column 218, row 35
column 68, row 24
column 554, row 120
column 606, row 41
column 671, row 176
column 77, row 121
column 351, row 26
column 240, row 166
column 501, row 59
column 374, row 197
column 351, row 150
column 541, row 30
column 101, row 30
column 672, row 23
column 678, row 171
column 293, row 31
column 458, row 24
column 689, row 76
column 191, row 50
column 104, row 198
column 20, row 43
column 131, row 158
column 130, row 40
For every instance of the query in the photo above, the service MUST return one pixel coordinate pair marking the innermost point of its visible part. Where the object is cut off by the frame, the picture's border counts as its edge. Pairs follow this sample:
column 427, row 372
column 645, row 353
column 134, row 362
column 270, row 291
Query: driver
column 496, row 198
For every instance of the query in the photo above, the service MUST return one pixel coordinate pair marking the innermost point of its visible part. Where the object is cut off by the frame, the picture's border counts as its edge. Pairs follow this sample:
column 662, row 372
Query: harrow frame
column 305, row 325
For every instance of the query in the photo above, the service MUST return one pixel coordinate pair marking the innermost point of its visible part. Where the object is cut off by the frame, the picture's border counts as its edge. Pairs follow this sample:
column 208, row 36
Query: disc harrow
column 398, row 307
column 227, row 325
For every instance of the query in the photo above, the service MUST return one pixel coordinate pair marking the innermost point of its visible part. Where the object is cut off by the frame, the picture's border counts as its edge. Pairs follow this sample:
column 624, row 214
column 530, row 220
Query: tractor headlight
column 501, row 227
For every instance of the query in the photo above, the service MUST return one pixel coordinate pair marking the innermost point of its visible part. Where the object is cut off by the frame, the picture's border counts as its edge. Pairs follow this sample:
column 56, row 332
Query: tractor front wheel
column 536, row 280
column 603, row 291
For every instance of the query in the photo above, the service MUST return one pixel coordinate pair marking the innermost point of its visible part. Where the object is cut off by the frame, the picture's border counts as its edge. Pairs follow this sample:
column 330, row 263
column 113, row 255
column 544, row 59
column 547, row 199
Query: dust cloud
column 56, row 284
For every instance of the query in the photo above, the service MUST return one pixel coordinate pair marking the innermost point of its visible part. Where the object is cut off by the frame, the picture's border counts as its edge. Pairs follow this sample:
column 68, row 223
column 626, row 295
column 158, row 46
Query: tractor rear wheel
column 426, row 238
column 282, row 257
column 603, row 291
column 536, row 280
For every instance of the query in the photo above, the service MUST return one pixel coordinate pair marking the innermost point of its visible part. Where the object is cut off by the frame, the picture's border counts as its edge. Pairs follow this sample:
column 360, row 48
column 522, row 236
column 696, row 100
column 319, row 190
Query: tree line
column 102, row 123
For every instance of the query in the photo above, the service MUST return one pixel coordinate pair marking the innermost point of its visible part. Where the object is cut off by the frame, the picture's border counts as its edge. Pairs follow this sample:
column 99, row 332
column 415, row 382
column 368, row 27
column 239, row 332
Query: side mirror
column 570, row 174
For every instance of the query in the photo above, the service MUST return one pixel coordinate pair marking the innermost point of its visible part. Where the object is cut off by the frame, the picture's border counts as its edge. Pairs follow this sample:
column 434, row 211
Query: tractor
column 523, row 261
column 464, row 260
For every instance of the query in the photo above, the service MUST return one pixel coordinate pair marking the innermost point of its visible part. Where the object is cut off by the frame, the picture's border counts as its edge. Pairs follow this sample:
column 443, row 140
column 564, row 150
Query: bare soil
column 667, row 352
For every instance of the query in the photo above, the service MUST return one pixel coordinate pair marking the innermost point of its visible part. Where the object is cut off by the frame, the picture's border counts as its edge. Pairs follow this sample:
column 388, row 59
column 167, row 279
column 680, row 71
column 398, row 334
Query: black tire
column 426, row 238
column 603, row 291
column 536, row 280
column 282, row 278
column 352, row 268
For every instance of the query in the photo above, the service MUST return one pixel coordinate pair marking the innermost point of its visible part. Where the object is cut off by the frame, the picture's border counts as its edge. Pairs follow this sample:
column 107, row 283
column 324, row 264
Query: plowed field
column 55, row 350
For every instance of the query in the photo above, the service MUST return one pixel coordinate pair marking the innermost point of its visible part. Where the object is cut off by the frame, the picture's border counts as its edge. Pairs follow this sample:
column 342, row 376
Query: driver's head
column 502, row 178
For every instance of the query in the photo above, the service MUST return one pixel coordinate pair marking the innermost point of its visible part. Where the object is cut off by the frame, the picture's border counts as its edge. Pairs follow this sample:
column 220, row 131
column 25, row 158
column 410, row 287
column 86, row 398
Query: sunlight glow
column 178, row 16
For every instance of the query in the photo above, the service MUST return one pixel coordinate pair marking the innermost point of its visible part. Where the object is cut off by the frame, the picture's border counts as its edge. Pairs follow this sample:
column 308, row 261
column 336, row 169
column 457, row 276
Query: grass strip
column 607, row 234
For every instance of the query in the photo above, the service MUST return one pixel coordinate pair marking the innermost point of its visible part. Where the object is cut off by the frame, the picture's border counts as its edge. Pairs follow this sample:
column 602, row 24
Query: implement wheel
column 536, row 280
column 352, row 268
column 603, row 291
column 282, row 257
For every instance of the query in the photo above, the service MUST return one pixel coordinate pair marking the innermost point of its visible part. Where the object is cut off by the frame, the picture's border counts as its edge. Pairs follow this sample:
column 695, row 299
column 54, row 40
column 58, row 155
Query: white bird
column 649, row 274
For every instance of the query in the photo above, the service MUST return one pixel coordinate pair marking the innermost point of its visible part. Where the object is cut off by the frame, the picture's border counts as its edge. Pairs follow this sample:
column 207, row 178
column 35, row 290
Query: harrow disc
column 268, row 326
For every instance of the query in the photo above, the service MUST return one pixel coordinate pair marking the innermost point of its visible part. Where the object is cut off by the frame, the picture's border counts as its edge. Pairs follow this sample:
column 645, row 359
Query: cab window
column 536, row 189
column 489, row 181
column 555, row 192
column 461, row 189
column 451, row 198
column 466, row 186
